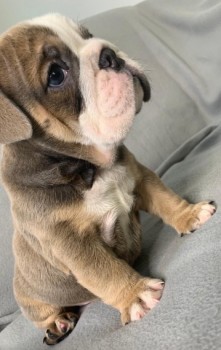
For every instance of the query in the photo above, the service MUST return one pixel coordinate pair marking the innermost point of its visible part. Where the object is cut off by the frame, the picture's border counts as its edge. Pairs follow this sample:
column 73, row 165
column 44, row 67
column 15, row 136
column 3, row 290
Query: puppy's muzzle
column 109, row 59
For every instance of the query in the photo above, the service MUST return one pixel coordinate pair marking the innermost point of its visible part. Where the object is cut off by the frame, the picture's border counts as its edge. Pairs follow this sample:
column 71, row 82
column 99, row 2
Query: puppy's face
column 72, row 86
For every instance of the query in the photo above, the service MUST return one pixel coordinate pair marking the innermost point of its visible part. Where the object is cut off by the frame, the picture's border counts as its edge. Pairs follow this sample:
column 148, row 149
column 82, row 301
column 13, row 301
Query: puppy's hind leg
column 61, row 327
column 58, row 322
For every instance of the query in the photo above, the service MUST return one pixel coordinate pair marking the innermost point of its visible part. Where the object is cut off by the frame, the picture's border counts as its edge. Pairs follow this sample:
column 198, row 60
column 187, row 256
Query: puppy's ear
column 14, row 125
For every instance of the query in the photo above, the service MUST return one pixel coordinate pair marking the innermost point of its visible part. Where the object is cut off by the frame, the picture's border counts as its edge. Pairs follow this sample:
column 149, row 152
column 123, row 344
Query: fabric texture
column 7, row 303
column 179, row 135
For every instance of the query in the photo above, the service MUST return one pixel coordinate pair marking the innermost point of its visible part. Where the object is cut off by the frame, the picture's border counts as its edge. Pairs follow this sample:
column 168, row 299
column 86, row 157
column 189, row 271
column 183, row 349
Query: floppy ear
column 14, row 125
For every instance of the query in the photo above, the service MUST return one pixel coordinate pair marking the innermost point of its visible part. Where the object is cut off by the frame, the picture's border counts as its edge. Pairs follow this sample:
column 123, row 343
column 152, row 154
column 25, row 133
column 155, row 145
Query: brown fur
column 63, row 255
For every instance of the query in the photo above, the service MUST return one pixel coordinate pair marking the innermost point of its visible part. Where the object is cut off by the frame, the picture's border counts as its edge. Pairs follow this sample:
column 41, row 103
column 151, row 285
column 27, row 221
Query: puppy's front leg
column 111, row 279
column 154, row 197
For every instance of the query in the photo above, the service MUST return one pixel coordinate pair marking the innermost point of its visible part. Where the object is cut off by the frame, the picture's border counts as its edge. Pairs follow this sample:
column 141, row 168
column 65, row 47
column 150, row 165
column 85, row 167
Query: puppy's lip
column 145, row 86
column 143, row 82
column 139, row 94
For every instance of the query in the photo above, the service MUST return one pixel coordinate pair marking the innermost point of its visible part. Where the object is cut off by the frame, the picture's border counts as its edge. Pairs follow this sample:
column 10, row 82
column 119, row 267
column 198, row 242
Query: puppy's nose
column 109, row 59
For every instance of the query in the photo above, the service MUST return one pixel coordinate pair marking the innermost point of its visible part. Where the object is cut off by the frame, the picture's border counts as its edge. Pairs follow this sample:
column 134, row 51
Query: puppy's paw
column 60, row 328
column 194, row 216
column 146, row 296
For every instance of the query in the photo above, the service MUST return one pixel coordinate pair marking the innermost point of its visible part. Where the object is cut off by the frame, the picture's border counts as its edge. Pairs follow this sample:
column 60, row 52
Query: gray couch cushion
column 178, row 42
column 7, row 303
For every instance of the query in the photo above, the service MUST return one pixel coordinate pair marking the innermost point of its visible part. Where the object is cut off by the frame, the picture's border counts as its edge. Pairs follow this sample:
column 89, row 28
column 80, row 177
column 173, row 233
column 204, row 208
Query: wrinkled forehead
column 53, row 28
column 68, row 31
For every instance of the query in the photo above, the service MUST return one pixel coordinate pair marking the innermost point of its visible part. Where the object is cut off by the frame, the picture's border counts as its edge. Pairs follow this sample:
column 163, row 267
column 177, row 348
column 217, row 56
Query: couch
column 177, row 134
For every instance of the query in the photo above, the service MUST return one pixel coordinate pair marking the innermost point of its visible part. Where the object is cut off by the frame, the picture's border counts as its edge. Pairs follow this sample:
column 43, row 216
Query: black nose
column 109, row 59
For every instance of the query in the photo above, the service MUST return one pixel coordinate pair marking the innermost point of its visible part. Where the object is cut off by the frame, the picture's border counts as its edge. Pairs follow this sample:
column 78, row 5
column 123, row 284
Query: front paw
column 194, row 216
column 146, row 296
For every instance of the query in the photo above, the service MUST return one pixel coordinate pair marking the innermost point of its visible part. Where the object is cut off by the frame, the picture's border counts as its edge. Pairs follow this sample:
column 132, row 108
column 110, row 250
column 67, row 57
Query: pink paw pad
column 149, row 298
column 206, row 212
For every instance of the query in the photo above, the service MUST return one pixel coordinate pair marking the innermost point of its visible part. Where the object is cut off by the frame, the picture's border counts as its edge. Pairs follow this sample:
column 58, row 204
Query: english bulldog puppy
column 67, row 102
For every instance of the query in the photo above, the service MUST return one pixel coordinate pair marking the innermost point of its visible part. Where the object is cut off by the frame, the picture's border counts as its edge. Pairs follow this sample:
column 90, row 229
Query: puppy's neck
column 31, row 164
column 102, row 157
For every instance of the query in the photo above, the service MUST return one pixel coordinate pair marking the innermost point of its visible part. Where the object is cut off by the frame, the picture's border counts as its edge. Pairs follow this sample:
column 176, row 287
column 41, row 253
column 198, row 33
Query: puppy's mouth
column 144, row 85
column 141, row 88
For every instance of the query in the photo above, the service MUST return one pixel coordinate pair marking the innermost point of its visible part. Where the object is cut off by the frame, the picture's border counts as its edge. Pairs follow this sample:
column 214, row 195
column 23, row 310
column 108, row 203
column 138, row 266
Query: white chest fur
column 111, row 198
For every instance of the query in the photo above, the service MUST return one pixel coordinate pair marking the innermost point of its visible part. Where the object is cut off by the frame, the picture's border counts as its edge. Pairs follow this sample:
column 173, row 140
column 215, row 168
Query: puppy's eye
column 56, row 75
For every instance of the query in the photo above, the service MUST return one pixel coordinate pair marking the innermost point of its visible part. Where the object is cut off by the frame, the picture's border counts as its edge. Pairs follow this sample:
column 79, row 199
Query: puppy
column 67, row 101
